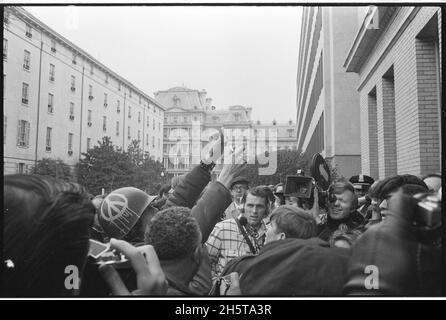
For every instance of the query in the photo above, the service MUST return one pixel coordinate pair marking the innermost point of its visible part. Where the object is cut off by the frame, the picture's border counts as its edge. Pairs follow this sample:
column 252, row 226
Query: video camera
column 303, row 187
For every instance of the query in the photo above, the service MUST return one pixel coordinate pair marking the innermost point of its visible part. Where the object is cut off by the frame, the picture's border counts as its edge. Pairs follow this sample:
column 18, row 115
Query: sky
column 240, row 55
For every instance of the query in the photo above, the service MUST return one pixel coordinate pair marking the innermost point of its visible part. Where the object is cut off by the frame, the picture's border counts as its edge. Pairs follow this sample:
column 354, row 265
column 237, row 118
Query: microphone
column 244, row 223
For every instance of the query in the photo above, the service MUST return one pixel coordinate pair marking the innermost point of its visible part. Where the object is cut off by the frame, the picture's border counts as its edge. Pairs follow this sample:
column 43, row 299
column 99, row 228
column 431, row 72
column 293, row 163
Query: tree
column 146, row 171
column 53, row 167
column 109, row 167
column 105, row 166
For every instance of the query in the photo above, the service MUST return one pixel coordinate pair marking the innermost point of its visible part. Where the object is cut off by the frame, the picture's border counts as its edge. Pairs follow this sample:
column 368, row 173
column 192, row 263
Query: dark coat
column 292, row 267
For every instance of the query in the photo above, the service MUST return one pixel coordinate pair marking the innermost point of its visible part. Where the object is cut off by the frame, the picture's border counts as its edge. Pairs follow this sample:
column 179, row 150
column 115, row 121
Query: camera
column 303, row 187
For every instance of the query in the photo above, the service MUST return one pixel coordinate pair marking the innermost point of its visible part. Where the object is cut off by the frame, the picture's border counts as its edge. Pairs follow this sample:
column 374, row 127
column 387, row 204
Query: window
column 118, row 106
column 130, row 111
column 71, row 110
column 26, row 59
column 20, row 168
column 147, row 139
column 119, row 86
column 23, row 133
column 153, row 142
column 25, row 92
column 153, row 124
column 139, row 135
column 140, row 99
column 89, row 117
column 128, row 132
column 159, row 143
column 117, row 128
column 106, row 78
column 73, row 83
column 70, row 144
column 28, row 31
column 148, row 122
column 52, row 71
column 74, row 57
column 5, row 49
column 53, row 45
column 91, row 69
column 139, row 116
column 88, row 143
column 159, row 126
column 104, row 123
column 105, row 100
column 290, row 133
column 48, row 139
column 50, row 103
column 130, row 93
column 90, row 91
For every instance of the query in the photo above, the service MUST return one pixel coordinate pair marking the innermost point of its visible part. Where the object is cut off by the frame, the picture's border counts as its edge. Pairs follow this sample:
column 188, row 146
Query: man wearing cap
column 238, row 190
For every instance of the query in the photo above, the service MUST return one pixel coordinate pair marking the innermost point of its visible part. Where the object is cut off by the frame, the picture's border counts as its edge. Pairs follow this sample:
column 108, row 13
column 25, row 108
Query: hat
column 239, row 179
column 121, row 210
column 278, row 189
column 360, row 181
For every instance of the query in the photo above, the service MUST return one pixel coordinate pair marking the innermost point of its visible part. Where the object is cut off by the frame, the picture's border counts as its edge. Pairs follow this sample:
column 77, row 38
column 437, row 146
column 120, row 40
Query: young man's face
column 292, row 201
column 238, row 190
column 341, row 208
column 273, row 234
column 255, row 210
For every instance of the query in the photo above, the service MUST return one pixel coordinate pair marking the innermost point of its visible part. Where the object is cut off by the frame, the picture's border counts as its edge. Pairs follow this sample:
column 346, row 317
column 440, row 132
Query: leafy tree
column 146, row 171
column 107, row 166
column 53, row 167
column 104, row 166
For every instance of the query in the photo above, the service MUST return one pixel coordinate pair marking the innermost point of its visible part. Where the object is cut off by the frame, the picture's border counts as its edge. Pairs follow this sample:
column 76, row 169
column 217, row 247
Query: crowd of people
column 200, row 237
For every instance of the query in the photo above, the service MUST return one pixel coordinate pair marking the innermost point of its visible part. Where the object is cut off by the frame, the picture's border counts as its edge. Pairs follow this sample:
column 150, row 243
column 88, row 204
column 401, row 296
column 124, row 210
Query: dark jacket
column 405, row 264
column 354, row 222
column 207, row 211
column 292, row 267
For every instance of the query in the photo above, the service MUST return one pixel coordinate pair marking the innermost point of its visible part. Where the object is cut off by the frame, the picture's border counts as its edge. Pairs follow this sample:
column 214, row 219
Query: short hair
column 47, row 224
column 410, row 185
column 342, row 186
column 294, row 222
column 174, row 233
column 259, row 191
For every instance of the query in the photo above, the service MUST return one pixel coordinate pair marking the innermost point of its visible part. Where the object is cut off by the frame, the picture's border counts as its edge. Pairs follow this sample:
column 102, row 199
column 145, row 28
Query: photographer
column 402, row 255
column 342, row 216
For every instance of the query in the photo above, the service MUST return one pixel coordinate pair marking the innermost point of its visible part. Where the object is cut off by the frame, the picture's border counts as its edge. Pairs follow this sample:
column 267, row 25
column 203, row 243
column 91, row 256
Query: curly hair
column 174, row 233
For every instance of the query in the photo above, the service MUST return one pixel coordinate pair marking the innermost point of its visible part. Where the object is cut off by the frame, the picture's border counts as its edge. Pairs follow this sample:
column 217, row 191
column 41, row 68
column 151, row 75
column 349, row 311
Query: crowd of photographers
column 199, row 237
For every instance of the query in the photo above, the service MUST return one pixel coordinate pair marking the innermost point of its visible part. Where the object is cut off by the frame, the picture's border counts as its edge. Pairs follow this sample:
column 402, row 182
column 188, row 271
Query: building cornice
column 37, row 24
column 368, row 34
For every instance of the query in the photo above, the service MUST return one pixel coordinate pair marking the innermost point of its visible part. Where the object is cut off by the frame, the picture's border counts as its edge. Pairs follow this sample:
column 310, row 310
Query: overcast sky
column 239, row 55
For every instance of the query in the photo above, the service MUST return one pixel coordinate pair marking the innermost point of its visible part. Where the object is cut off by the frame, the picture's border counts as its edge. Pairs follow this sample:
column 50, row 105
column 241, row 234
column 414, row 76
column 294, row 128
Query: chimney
column 208, row 103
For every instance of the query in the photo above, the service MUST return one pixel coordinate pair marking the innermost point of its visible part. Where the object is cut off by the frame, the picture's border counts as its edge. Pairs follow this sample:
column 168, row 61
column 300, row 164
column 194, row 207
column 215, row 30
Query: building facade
column 396, row 53
column 286, row 133
column 327, row 100
column 58, row 101
column 190, row 122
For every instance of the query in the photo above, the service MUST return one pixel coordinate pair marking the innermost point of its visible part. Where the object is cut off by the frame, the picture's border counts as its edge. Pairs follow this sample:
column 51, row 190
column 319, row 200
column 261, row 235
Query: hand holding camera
column 230, row 285
column 144, row 261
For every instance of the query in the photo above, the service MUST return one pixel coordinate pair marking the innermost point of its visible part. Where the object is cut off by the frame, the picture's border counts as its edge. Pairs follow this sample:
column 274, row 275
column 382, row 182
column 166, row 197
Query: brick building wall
column 412, row 144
